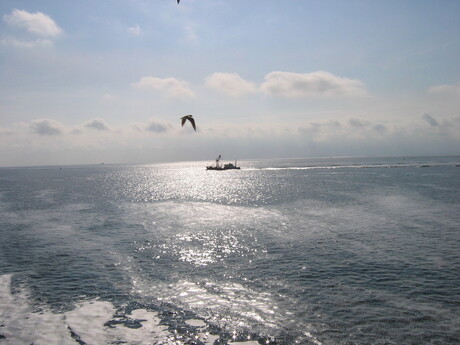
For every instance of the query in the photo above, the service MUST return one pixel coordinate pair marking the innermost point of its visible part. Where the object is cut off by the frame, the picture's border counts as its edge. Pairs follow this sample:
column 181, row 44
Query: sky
column 86, row 82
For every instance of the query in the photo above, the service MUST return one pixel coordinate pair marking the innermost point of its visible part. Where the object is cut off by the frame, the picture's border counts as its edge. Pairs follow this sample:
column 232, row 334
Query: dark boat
column 218, row 166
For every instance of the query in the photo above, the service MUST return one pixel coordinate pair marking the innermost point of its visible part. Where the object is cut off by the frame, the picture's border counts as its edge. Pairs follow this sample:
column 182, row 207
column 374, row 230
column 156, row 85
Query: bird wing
column 192, row 121
column 183, row 121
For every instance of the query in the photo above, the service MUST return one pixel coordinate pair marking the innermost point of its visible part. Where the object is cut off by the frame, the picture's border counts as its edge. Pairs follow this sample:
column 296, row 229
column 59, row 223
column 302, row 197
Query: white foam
column 150, row 332
column 88, row 321
column 20, row 325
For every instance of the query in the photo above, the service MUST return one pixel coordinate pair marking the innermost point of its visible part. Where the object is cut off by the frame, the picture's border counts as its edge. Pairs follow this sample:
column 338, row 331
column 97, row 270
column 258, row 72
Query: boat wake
column 360, row 166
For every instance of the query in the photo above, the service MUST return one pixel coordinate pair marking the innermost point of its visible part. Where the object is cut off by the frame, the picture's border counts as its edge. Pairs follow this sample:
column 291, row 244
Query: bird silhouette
column 178, row 1
column 191, row 119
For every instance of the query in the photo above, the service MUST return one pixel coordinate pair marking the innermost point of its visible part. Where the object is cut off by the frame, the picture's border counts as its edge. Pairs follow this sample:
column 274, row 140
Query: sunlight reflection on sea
column 282, row 251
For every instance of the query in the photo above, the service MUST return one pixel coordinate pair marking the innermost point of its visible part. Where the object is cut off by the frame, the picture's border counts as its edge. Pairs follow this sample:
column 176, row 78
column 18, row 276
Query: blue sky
column 106, row 81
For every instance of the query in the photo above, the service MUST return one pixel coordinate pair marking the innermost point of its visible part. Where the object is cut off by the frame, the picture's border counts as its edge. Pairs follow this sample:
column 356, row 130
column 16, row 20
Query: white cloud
column 191, row 35
column 170, row 87
column 430, row 120
column 107, row 97
column 379, row 128
column 279, row 84
column 450, row 90
column 5, row 132
column 135, row 30
column 11, row 41
column 358, row 123
column 47, row 127
column 296, row 85
column 97, row 124
column 37, row 23
column 366, row 125
column 158, row 126
column 230, row 84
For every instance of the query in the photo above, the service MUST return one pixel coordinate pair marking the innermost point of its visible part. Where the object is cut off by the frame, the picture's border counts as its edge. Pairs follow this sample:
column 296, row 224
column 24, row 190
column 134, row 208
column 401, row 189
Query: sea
column 337, row 250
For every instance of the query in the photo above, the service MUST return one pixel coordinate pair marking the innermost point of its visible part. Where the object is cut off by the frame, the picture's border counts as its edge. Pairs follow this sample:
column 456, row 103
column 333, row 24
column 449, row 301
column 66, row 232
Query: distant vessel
column 218, row 166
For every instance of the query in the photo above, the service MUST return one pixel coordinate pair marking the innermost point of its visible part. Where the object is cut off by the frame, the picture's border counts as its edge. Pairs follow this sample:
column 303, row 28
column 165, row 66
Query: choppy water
column 299, row 251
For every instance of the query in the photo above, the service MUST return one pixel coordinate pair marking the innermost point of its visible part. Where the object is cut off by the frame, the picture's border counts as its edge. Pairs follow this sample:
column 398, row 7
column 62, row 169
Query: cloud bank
column 51, row 142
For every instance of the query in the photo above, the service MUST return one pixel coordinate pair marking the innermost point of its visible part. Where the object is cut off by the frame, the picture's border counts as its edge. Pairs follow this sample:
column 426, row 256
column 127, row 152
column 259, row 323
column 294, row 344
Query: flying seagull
column 191, row 119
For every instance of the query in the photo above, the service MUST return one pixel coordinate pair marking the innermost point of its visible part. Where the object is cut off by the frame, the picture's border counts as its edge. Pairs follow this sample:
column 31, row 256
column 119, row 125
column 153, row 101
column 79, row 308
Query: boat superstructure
column 219, row 166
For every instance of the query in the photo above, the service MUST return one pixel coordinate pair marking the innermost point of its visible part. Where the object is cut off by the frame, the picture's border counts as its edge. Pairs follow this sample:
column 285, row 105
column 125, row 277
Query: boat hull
column 219, row 168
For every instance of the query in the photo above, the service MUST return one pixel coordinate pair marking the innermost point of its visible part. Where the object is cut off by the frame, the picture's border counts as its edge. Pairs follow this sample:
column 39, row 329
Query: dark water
column 297, row 251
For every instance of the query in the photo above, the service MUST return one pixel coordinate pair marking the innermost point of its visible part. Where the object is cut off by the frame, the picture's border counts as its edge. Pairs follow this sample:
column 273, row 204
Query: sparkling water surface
column 293, row 251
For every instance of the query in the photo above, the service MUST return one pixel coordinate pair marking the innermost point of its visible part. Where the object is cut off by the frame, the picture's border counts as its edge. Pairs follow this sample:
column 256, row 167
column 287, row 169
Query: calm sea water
column 296, row 251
